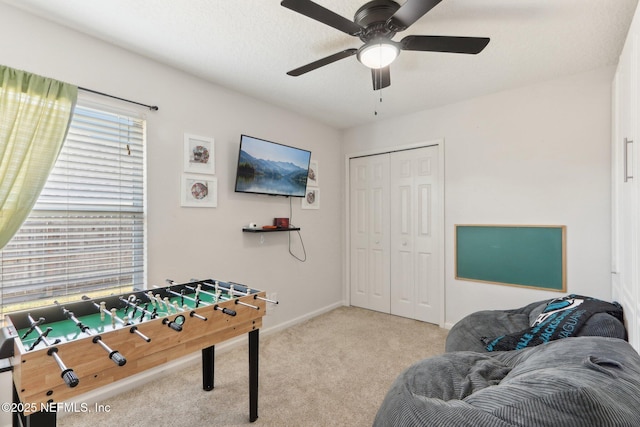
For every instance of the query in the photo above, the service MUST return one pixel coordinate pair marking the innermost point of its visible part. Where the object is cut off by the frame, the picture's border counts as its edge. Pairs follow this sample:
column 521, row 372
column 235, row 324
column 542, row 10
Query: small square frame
column 311, row 200
column 313, row 176
column 199, row 191
column 199, row 154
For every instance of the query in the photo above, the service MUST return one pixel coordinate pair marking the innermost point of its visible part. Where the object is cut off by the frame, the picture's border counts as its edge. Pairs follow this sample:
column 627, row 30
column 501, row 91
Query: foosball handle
column 70, row 378
column 226, row 310
column 117, row 358
column 67, row 373
column 229, row 311
column 173, row 325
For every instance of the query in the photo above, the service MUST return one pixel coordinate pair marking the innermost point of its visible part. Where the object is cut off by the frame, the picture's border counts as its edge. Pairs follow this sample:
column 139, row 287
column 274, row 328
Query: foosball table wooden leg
column 254, row 339
column 208, row 367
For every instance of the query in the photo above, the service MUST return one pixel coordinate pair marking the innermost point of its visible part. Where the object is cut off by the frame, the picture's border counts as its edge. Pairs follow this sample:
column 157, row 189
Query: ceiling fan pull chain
column 375, row 106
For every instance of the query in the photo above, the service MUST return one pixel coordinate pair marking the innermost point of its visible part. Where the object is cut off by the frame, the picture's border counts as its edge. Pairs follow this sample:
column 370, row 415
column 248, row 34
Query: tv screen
column 266, row 167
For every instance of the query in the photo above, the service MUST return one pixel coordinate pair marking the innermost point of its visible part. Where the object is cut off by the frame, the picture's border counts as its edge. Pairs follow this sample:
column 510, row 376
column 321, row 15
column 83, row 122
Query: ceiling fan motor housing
column 373, row 17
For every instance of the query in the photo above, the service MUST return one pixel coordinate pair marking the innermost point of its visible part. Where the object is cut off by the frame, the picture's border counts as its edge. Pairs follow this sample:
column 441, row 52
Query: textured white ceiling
column 249, row 45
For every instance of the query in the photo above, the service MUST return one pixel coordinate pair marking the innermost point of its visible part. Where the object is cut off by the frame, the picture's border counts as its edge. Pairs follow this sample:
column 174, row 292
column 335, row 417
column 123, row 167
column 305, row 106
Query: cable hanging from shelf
column 299, row 235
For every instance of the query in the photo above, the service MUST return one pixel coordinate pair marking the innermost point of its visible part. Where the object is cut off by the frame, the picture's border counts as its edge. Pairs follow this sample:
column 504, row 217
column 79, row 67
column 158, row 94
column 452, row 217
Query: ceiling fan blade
column 381, row 77
column 322, row 62
column 410, row 12
column 451, row 44
column 321, row 14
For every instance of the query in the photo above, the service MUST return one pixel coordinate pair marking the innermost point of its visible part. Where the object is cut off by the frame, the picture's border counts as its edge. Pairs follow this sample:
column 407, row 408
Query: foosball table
column 64, row 350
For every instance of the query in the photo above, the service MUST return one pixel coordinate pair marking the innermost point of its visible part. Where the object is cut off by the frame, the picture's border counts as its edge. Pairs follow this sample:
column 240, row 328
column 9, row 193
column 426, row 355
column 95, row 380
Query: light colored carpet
column 332, row 370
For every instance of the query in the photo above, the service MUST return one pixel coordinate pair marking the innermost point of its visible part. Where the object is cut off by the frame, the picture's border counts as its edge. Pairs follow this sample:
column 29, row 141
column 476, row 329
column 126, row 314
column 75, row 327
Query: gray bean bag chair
column 467, row 334
column 581, row 381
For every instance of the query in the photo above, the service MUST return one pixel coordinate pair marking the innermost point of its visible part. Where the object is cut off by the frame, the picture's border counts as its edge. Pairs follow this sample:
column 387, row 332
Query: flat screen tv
column 266, row 167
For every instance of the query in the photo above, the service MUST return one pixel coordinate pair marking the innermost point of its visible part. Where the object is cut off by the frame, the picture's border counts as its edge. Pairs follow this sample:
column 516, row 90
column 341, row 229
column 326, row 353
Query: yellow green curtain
column 35, row 113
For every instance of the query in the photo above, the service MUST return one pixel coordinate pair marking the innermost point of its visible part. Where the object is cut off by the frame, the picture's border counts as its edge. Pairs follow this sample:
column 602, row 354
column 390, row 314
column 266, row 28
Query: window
column 86, row 231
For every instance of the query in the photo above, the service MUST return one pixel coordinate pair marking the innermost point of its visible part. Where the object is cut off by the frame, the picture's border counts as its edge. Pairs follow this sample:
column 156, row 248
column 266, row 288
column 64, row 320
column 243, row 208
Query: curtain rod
column 150, row 107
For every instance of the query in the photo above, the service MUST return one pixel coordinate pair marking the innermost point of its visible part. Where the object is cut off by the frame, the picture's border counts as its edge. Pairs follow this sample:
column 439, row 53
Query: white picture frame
column 199, row 154
column 314, row 174
column 199, row 191
column 311, row 200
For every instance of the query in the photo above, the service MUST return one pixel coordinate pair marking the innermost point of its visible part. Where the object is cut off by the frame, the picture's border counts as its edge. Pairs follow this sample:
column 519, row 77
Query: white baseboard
column 103, row 393
column 448, row 325
column 284, row 325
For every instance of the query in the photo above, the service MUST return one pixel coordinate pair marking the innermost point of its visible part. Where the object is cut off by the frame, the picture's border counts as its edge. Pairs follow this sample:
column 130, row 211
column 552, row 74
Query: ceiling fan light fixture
column 378, row 54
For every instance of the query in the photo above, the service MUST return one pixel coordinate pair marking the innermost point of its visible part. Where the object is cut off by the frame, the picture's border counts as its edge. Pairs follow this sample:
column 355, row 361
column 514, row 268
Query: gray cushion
column 467, row 334
column 582, row 381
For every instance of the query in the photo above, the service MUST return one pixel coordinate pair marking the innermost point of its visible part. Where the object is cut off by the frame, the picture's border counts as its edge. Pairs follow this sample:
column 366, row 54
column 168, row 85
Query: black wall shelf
column 268, row 230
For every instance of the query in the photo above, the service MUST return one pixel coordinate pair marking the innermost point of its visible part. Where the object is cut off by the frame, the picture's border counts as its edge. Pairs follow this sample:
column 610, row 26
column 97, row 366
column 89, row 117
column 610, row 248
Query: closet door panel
column 369, row 232
column 414, row 247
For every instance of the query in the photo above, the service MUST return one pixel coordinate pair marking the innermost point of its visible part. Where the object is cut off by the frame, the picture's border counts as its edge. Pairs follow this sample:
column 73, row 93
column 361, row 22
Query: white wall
column 196, row 242
column 534, row 155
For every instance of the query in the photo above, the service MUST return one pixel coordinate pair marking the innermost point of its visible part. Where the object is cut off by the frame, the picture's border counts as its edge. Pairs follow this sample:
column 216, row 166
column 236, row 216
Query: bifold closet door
column 394, row 233
column 415, row 232
column 369, row 235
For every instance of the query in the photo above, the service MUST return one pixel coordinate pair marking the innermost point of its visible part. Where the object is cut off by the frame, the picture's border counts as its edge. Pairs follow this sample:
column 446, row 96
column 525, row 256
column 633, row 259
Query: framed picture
column 199, row 191
column 312, row 177
column 312, row 199
column 199, row 154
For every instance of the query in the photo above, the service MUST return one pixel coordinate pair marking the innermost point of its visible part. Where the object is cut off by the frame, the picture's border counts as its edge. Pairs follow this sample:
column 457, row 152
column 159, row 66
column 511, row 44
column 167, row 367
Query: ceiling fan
column 375, row 23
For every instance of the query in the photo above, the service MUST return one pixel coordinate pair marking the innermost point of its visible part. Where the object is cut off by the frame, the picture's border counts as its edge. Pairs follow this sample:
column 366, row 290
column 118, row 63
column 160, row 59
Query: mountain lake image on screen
column 266, row 167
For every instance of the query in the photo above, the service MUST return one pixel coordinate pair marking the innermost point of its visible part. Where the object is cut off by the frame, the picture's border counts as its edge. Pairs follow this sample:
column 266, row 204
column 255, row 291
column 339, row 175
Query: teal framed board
column 533, row 256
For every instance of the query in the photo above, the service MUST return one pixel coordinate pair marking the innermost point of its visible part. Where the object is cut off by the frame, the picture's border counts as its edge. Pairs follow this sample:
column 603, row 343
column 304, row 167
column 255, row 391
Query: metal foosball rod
column 218, row 285
column 255, row 296
column 115, row 318
column 196, row 301
column 231, row 288
column 69, row 377
column 168, row 305
column 34, row 325
column 158, row 302
column 130, row 303
column 215, row 306
column 135, row 303
column 217, row 297
column 114, row 355
column 111, row 313
column 42, row 337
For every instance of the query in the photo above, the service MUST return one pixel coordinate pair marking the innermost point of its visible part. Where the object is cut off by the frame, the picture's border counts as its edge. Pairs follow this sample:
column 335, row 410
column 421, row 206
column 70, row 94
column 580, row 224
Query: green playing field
column 67, row 330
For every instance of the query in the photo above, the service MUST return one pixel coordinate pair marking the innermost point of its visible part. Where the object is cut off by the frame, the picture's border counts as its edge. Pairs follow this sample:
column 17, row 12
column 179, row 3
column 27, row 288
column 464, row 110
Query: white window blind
column 86, row 231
